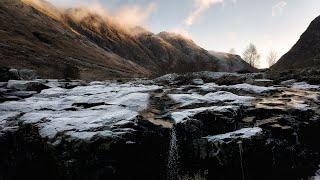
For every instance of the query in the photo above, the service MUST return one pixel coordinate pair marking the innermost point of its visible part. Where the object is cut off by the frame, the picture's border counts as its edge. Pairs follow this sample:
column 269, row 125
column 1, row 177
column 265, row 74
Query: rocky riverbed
column 196, row 126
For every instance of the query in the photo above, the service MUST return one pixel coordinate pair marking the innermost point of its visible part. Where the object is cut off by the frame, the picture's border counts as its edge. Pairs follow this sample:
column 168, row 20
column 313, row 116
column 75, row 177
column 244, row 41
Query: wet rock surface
column 194, row 126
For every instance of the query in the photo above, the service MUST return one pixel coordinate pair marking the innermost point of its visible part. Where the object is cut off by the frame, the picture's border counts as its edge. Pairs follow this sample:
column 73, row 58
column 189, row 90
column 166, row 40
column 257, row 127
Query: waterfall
column 173, row 157
column 241, row 159
column 296, row 138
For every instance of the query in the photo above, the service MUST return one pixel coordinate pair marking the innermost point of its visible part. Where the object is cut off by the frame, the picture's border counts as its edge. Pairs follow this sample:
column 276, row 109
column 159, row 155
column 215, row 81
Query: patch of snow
column 21, row 85
column 229, row 98
column 250, row 88
column 168, row 77
column 300, row 105
column 209, row 87
column 133, row 101
column 197, row 81
column 189, row 113
column 317, row 175
column 50, row 109
column 134, row 96
column 220, row 96
column 215, row 75
column 5, row 116
column 288, row 82
column 50, row 123
column 305, row 86
column 244, row 133
column 263, row 80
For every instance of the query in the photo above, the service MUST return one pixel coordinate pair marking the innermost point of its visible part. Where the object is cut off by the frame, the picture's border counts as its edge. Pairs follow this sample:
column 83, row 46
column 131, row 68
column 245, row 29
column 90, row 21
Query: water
column 173, row 157
column 241, row 159
column 296, row 138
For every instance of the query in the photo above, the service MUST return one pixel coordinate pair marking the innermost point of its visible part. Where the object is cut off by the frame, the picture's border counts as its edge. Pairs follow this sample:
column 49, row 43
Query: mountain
column 231, row 62
column 78, row 43
column 32, row 39
column 160, row 53
column 305, row 53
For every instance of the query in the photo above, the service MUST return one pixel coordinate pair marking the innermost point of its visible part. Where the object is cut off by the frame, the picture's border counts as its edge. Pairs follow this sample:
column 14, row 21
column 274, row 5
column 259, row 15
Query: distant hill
column 36, row 35
column 305, row 53
column 231, row 62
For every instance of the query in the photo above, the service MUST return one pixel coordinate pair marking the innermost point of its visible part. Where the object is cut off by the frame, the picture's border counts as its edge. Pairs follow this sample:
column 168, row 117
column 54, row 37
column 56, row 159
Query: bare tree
column 251, row 55
column 272, row 57
column 232, row 51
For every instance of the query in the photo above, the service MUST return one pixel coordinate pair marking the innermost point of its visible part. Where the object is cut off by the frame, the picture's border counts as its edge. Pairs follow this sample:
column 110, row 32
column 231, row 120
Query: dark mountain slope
column 305, row 53
column 32, row 39
column 161, row 53
column 36, row 35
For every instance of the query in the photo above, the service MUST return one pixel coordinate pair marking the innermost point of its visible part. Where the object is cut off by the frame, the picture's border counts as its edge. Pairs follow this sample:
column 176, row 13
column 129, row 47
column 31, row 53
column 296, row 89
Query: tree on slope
column 251, row 55
column 272, row 57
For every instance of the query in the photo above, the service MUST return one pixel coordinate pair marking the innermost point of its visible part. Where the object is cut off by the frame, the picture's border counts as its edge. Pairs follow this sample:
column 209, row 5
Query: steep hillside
column 36, row 35
column 32, row 39
column 305, row 53
column 231, row 62
column 161, row 53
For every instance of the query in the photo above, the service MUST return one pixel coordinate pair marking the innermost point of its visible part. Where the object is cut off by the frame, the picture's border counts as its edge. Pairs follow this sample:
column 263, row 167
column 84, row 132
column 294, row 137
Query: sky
column 217, row 25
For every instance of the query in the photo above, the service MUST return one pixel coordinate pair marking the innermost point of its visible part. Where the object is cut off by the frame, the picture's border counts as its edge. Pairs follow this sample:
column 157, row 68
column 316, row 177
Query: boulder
column 4, row 74
column 22, row 85
column 27, row 74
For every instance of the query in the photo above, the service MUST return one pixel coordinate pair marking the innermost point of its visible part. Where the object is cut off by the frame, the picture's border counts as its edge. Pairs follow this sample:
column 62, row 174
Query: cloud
column 201, row 6
column 182, row 32
column 278, row 8
column 128, row 15
column 134, row 15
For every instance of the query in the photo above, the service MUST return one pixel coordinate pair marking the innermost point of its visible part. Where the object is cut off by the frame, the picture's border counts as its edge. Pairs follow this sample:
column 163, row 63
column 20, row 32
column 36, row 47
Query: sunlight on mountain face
column 88, row 91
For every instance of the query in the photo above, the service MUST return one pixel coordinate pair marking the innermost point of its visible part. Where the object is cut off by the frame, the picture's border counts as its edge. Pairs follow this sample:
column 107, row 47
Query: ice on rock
column 5, row 116
column 189, row 113
column 77, row 122
column 220, row 96
column 250, row 88
column 134, row 101
column 50, row 110
column 19, row 84
column 305, row 86
column 229, row 98
column 244, row 133
column 198, row 81
column 209, row 87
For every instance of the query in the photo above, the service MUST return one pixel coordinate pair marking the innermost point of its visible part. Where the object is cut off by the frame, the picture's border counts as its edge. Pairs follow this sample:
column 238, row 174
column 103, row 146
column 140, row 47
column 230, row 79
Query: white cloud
column 128, row 15
column 278, row 8
column 182, row 32
column 134, row 15
column 200, row 7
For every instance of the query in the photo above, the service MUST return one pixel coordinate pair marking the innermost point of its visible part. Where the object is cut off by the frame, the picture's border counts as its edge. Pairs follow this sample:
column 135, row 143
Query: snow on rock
column 288, row 82
column 220, row 96
column 81, row 112
column 5, row 116
column 250, row 88
column 244, row 133
column 197, row 81
column 19, row 84
column 305, row 86
column 134, row 101
column 83, row 123
column 60, row 99
column 209, row 87
column 215, row 75
column 189, row 113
